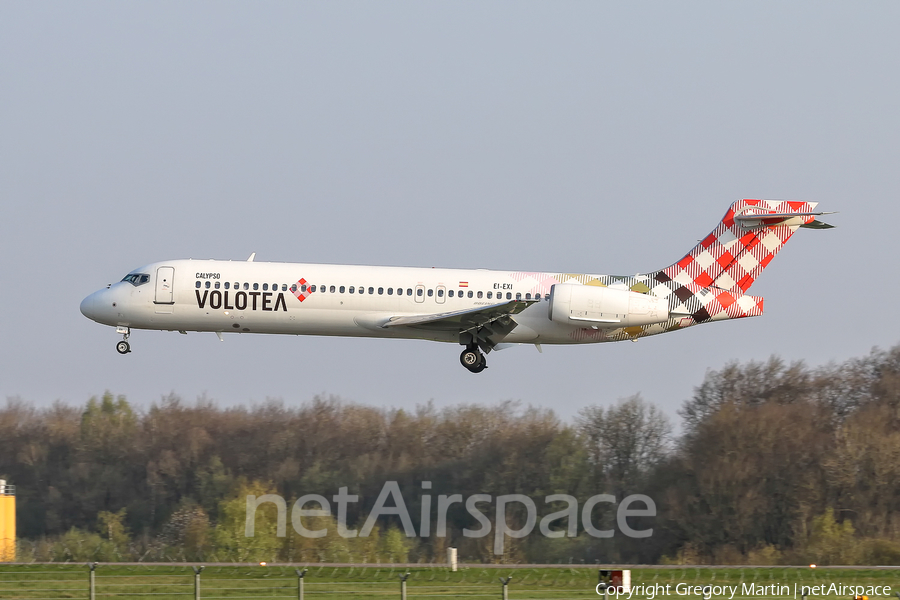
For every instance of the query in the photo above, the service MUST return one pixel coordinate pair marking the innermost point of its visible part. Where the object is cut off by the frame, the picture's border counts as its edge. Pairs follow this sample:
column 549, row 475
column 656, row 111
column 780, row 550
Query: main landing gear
column 123, row 347
column 472, row 359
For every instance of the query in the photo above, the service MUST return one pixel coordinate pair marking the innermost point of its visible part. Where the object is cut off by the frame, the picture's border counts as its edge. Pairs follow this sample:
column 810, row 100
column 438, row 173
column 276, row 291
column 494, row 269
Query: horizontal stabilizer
column 756, row 217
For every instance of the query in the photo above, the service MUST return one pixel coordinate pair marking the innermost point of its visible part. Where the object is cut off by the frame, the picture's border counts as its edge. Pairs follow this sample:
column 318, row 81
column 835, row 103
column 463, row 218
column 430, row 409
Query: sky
column 596, row 137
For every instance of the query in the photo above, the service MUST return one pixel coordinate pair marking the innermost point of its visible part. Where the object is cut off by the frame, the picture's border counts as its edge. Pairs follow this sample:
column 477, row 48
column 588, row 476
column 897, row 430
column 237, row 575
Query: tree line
column 774, row 463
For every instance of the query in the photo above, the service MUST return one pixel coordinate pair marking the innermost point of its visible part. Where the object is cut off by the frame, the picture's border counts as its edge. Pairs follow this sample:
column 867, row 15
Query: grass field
column 138, row 582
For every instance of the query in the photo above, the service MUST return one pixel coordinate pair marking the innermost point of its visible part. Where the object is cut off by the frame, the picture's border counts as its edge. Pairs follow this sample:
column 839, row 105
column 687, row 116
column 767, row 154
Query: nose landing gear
column 472, row 359
column 123, row 347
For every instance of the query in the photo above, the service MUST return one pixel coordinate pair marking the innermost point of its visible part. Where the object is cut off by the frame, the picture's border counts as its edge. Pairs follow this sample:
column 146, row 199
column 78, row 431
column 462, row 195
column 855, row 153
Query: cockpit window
column 137, row 279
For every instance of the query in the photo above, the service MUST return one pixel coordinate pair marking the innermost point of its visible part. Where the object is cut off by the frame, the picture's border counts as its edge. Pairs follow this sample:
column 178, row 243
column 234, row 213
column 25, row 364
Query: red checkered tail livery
column 711, row 281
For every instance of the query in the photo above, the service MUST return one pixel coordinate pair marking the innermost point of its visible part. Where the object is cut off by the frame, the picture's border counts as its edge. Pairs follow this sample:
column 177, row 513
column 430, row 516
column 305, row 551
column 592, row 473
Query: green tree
column 111, row 525
column 231, row 543
column 831, row 542
column 78, row 546
column 394, row 546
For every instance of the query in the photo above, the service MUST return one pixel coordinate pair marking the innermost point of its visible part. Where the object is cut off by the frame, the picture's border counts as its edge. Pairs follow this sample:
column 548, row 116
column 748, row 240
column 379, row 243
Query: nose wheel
column 472, row 359
column 123, row 347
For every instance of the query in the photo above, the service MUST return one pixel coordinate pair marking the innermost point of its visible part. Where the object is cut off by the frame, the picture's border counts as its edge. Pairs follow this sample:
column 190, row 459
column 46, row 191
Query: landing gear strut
column 123, row 347
column 472, row 359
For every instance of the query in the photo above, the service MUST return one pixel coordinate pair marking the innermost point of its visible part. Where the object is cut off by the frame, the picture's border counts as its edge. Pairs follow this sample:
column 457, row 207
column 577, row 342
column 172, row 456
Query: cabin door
column 165, row 291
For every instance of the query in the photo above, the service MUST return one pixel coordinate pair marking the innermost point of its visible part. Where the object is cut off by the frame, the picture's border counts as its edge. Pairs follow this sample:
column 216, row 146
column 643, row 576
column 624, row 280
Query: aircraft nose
column 90, row 307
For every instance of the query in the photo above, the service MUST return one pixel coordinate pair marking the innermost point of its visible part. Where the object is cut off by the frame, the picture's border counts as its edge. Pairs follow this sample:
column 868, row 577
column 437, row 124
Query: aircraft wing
column 496, row 318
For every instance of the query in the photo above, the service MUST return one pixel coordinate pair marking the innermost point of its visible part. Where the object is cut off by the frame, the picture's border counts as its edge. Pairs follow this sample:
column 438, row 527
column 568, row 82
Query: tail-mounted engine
column 590, row 305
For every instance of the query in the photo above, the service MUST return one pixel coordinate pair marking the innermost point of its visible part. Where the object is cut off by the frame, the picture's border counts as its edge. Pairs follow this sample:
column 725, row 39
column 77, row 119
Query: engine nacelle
column 594, row 306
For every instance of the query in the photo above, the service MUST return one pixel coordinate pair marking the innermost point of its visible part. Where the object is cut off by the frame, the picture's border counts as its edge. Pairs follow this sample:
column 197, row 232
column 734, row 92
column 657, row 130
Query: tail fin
column 710, row 282
column 744, row 243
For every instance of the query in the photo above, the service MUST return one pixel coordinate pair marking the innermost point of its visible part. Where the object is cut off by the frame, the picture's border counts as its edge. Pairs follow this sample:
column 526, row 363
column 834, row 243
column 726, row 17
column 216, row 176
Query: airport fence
column 140, row 581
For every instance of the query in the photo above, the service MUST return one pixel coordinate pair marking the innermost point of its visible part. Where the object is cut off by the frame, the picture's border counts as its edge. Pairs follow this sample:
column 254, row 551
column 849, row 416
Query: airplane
column 483, row 310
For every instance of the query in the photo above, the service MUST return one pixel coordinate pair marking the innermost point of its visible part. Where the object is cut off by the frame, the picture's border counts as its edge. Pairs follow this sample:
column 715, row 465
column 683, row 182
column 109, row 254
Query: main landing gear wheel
column 473, row 360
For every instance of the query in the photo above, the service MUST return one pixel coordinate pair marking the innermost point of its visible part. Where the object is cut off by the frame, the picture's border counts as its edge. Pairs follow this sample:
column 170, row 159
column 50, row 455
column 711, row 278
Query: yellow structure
column 7, row 522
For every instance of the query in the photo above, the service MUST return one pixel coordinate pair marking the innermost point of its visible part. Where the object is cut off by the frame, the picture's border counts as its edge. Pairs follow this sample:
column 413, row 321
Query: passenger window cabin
column 361, row 289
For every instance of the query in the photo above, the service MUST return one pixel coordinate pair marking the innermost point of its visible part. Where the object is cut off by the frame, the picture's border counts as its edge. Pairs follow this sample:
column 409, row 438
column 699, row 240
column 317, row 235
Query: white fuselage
column 257, row 297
